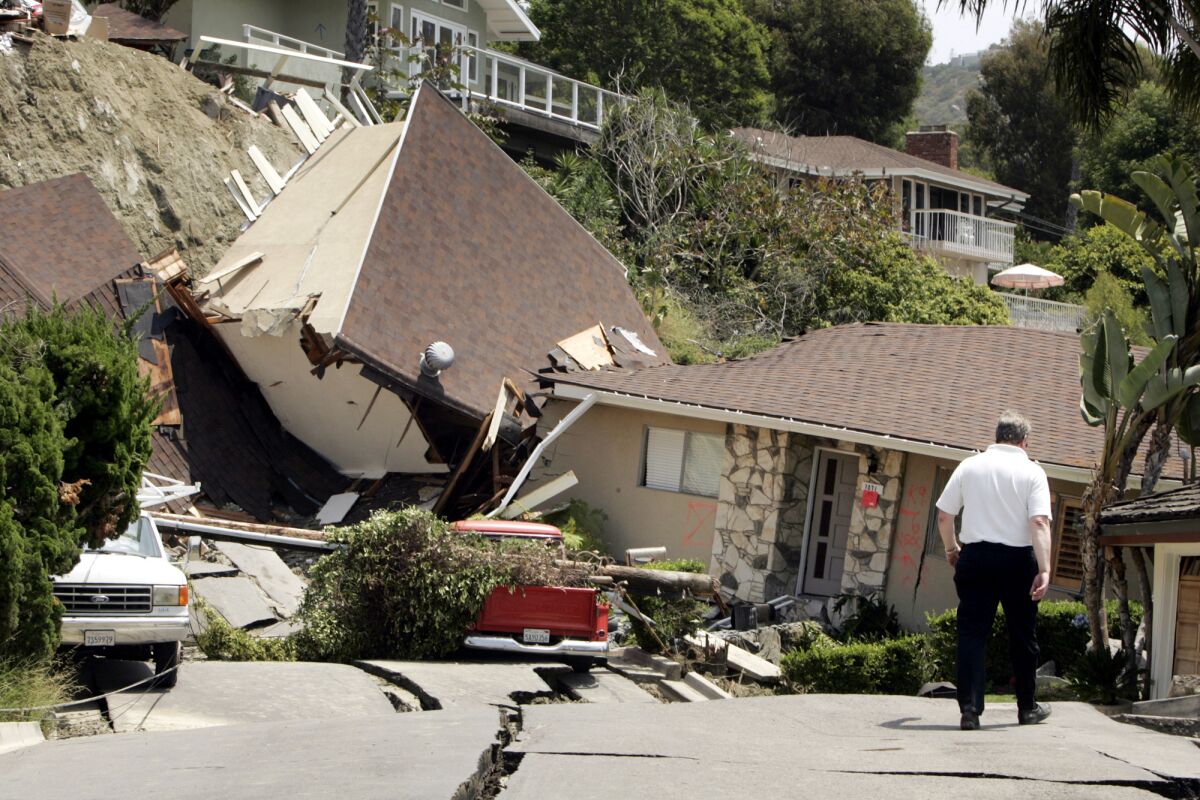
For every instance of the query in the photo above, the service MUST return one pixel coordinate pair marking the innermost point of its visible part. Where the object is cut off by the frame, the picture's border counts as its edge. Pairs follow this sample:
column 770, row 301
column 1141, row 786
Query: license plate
column 99, row 638
column 536, row 636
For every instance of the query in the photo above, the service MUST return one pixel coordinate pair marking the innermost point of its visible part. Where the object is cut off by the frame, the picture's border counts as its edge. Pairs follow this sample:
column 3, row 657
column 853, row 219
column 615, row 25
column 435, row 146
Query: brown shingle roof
column 1182, row 503
column 125, row 26
column 468, row 249
column 848, row 154
column 60, row 240
column 944, row 385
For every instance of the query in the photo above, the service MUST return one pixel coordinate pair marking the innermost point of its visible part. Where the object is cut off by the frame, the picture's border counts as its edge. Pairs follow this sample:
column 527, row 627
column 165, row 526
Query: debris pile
column 156, row 141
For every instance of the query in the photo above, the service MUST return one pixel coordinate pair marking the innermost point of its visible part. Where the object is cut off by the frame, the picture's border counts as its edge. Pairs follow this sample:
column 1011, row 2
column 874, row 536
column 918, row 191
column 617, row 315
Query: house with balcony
column 539, row 109
column 945, row 212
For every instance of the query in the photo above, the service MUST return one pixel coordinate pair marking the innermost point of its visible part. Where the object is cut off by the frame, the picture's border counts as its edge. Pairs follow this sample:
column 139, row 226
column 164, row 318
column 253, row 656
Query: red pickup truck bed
column 538, row 620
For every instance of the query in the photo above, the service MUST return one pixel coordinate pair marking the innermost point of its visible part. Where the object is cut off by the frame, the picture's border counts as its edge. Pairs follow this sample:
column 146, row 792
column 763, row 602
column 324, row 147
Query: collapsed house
column 812, row 469
column 404, row 276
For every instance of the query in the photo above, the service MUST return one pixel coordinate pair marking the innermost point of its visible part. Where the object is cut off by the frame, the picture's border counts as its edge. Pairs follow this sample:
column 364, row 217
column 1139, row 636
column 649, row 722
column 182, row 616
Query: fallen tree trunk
column 652, row 581
column 636, row 580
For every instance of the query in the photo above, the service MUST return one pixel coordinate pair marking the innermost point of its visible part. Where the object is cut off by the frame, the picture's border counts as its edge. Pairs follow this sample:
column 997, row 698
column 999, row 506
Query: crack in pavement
column 1174, row 788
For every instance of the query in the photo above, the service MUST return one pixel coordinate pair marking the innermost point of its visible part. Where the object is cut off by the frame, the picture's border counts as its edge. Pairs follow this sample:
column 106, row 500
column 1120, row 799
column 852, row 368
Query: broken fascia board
column 253, row 259
column 218, row 533
column 565, row 423
column 278, row 51
column 568, row 391
column 493, row 430
column 547, row 491
column 347, row 115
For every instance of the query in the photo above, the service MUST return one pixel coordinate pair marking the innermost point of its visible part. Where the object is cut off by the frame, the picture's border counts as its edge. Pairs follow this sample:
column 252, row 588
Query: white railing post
column 521, row 86
column 549, row 94
column 599, row 108
column 574, row 101
column 495, row 78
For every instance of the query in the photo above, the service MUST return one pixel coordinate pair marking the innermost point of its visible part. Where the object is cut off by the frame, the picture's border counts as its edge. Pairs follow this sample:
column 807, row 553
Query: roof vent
column 437, row 357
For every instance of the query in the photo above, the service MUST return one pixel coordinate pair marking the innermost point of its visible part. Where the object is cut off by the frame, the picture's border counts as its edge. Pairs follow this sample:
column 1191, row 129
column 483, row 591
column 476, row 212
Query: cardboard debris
column 336, row 508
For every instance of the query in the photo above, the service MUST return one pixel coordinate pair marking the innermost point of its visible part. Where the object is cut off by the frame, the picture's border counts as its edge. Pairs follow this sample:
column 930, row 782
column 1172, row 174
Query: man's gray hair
column 1012, row 428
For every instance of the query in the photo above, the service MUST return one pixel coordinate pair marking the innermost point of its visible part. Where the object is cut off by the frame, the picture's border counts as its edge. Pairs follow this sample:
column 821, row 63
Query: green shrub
column 404, row 585
column 220, row 641
column 893, row 666
column 675, row 617
column 869, row 620
column 1104, row 677
column 1062, row 636
column 582, row 526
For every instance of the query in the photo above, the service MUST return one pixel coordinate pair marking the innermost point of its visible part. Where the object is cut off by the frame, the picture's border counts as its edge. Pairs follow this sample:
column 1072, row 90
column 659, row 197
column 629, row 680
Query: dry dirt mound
column 136, row 125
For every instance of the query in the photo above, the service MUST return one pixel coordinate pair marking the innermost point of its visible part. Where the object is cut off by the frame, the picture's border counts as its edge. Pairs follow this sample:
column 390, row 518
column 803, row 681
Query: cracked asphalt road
column 840, row 746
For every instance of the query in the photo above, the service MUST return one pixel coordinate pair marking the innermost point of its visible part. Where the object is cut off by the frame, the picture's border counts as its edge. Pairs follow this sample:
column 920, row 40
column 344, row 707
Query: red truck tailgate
column 567, row 612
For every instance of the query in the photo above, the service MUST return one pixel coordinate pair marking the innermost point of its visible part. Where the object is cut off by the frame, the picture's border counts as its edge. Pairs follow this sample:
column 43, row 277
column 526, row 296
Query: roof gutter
column 572, row 392
column 1011, row 195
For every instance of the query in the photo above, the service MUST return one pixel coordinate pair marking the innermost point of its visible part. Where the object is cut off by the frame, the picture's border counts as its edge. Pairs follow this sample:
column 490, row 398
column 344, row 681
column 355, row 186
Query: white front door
column 832, row 492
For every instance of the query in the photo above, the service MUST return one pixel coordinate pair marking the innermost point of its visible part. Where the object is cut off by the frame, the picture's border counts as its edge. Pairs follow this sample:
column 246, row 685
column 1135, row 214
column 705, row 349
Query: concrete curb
column 18, row 735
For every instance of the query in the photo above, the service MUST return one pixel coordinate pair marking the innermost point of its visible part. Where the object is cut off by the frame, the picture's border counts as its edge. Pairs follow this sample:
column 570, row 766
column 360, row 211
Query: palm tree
column 1094, row 49
column 356, row 34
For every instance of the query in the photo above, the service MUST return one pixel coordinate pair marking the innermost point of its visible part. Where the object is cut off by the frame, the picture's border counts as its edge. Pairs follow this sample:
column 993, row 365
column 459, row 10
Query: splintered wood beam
column 463, row 465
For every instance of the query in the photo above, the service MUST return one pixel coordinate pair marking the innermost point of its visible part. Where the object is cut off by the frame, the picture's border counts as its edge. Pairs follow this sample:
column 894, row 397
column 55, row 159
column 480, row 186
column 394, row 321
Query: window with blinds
column 683, row 461
column 1067, row 564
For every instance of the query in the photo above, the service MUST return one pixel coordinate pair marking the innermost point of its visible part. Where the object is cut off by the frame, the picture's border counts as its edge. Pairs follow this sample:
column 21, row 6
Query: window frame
column 683, row 458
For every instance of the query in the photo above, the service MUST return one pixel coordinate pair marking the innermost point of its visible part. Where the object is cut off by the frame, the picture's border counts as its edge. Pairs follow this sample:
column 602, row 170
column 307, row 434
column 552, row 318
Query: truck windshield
column 138, row 539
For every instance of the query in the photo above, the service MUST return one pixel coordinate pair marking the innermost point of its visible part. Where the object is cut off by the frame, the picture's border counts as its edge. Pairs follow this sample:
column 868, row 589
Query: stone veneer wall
column 762, row 510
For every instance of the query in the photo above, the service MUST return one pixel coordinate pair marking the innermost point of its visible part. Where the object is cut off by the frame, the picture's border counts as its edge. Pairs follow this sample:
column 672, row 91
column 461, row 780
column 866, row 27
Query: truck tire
column 581, row 664
column 166, row 656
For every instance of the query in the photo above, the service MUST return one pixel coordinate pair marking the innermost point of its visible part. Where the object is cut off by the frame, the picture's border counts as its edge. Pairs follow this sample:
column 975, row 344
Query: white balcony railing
column 509, row 81
column 1046, row 315
column 964, row 235
column 517, row 83
column 257, row 35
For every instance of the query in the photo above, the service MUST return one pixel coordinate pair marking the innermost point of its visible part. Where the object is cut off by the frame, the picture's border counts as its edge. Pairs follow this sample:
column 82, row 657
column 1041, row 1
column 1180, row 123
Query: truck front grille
column 90, row 598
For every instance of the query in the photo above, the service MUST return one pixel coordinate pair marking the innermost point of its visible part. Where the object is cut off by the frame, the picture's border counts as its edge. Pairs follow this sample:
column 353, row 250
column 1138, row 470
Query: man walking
column 1004, row 558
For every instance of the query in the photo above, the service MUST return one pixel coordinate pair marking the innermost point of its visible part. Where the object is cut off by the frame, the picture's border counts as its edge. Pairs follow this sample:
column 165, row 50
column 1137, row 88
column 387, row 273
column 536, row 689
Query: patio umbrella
column 1027, row 276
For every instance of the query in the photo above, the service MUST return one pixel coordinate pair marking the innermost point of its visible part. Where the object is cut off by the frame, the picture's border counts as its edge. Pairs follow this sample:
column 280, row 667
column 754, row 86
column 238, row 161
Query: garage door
column 1187, row 624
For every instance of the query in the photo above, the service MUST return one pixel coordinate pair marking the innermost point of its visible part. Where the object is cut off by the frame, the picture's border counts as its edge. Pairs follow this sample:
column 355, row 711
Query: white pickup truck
column 127, row 600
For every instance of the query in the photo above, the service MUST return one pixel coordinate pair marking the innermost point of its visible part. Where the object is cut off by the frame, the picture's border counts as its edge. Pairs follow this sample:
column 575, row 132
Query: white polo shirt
column 1000, row 489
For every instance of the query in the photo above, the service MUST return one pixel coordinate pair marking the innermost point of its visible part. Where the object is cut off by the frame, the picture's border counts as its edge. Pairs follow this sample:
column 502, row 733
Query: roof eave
column 1009, row 194
column 569, row 391
column 508, row 22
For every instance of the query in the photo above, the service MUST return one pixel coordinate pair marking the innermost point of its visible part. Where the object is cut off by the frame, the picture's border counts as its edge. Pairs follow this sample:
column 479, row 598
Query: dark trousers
column 989, row 573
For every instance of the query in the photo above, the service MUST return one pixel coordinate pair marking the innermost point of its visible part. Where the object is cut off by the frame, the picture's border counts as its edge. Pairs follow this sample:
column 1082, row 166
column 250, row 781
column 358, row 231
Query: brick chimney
column 936, row 143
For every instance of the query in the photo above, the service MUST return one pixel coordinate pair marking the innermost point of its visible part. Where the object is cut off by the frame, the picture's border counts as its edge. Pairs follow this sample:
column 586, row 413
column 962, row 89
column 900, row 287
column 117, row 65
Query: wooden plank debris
column 246, row 193
column 540, row 495
column 302, row 131
column 332, row 99
column 240, row 200
column 313, row 115
column 250, row 260
column 266, row 169
column 742, row 660
column 497, row 417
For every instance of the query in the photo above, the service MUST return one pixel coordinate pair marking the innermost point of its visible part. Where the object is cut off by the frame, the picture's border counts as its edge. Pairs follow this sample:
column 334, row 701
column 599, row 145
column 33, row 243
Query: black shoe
column 969, row 721
column 1034, row 715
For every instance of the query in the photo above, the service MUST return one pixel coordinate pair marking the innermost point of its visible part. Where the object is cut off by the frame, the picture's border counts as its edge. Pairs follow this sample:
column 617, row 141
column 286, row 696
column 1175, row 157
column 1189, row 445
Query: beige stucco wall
column 604, row 448
column 915, row 588
column 325, row 413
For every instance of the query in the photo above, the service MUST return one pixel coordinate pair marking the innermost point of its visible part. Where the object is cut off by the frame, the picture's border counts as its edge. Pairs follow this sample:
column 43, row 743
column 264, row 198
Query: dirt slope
column 137, row 125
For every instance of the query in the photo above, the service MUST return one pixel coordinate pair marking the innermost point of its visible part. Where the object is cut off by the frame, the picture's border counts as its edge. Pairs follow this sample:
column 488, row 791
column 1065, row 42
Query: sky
column 955, row 34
